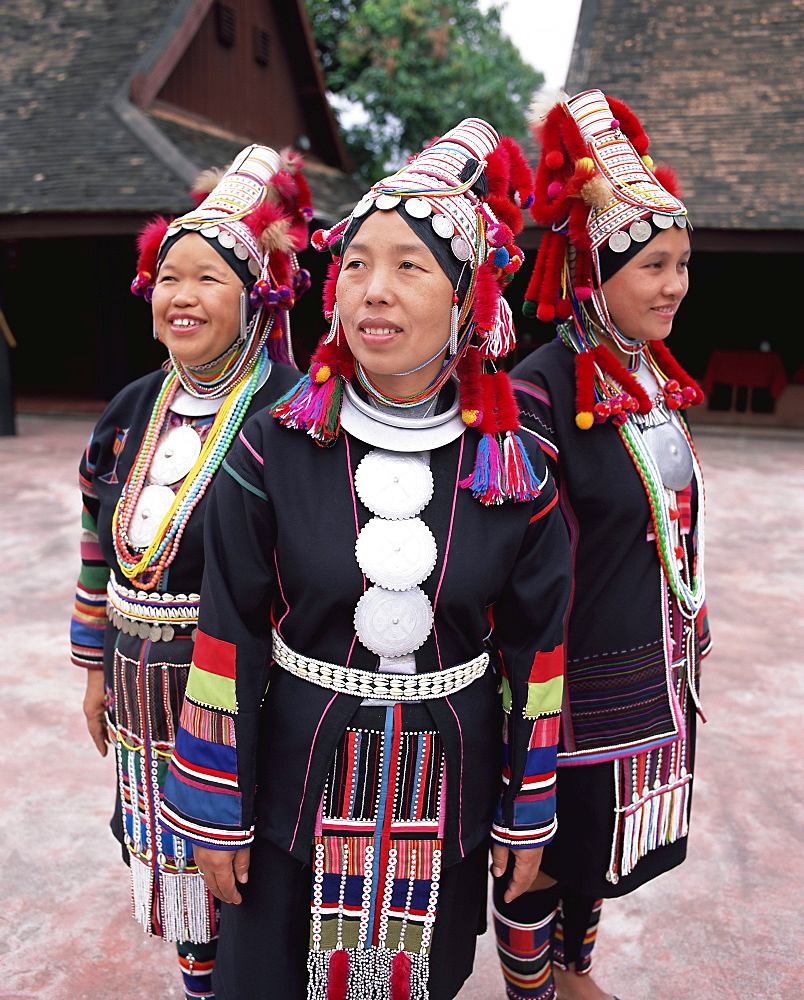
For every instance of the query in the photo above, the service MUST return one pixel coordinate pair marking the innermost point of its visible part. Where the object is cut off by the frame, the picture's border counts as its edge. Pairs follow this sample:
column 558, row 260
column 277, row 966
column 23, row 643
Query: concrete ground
column 724, row 926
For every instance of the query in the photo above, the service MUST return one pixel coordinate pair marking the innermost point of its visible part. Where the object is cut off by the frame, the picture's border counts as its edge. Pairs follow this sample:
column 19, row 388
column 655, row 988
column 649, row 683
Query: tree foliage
column 415, row 68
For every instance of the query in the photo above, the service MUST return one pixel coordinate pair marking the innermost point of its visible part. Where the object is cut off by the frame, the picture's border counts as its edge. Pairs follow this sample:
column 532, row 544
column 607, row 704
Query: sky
column 543, row 31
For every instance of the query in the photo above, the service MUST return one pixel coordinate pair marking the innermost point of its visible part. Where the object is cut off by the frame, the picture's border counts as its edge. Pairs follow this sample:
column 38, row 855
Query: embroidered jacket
column 622, row 625
column 104, row 468
column 256, row 742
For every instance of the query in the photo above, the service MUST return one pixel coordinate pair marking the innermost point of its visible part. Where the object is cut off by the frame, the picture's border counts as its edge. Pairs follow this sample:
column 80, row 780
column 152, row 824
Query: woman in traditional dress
column 603, row 399
column 220, row 281
column 341, row 747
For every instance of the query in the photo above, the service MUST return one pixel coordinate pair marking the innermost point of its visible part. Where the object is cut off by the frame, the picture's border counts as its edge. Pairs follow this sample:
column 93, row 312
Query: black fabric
column 292, row 562
column 611, row 262
column 262, row 954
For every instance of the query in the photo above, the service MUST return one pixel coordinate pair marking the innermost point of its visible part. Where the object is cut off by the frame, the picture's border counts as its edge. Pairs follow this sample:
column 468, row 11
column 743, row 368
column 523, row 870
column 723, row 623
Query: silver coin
column 253, row 267
column 192, row 226
column 211, row 232
column 640, row 231
column 385, row 202
column 391, row 623
column 419, row 208
column 662, row 221
column 396, row 555
column 443, row 225
column 176, row 453
column 155, row 633
column 227, row 240
column 362, row 206
column 680, row 221
column 167, row 633
column 393, row 485
column 152, row 505
column 672, row 455
column 461, row 248
column 619, row 242
column 240, row 251
column 144, row 630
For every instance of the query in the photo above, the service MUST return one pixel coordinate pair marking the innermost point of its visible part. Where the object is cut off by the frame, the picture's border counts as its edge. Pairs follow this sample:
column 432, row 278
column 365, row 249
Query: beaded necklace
column 144, row 568
column 223, row 374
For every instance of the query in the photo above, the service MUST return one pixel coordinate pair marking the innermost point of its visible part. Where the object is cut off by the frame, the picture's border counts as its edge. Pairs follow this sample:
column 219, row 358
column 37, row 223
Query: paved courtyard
column 725, row 926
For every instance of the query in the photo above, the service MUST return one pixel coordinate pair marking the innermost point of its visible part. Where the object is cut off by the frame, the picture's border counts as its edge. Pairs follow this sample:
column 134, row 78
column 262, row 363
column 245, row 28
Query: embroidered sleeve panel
column 209, row 793
column 529, row 622
column 88, row 623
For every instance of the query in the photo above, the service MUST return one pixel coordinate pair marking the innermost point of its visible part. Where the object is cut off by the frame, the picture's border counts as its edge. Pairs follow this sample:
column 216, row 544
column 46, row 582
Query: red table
column 749, row 369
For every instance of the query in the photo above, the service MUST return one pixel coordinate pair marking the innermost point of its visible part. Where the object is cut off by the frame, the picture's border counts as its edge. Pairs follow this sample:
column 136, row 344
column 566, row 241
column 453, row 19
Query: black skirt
column 579, row 854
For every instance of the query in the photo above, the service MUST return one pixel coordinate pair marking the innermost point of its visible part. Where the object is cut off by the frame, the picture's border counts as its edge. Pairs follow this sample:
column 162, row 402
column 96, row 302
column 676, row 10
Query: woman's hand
column 222, row 870
column 526, row 867
column 95, row 710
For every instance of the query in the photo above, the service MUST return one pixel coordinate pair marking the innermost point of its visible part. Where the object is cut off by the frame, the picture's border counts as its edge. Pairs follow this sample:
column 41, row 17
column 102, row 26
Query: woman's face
column 394, row 302
column 196, row 301
column 642, row 297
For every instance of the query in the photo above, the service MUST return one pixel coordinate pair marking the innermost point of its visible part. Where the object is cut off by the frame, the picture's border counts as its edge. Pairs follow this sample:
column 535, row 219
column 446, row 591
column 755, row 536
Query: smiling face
column 196, row 301
column 394, row 302
column 643, row 296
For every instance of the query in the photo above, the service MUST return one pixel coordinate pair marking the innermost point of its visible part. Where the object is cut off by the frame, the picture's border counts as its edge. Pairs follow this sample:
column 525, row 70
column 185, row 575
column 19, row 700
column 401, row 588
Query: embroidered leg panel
column 575, row 931
column 196, row 962
column 524, row 930
column 169, row 898
column 377, row 866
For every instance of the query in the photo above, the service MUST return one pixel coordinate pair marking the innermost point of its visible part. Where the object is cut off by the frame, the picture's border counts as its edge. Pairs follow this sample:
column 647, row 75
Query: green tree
column 415, row 68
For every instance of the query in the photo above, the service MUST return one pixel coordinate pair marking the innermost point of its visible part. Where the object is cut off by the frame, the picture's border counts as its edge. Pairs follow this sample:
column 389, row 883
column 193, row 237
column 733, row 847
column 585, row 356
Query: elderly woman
column 603, row 399
column 371, row 607
column 219, row 280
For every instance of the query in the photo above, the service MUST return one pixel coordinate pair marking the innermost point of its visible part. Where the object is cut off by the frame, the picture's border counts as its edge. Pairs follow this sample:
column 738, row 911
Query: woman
column 340, row 747
column 220, row 281
column 603, row 401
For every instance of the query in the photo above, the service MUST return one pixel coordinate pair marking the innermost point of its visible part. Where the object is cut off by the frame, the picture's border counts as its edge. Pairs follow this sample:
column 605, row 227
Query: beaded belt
column 386, row 686
column 150, row 615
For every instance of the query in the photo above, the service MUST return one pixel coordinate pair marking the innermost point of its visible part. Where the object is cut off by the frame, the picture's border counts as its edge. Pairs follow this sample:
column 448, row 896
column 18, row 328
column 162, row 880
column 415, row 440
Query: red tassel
column 673, row 369
column 506, row 405
column 666, row 176
column 611, row 366
column 471, row 387
column 338, row 975
column 328, row 294
column 486, row 298
column 148, row 242
column 400, row 976
column 584, row 389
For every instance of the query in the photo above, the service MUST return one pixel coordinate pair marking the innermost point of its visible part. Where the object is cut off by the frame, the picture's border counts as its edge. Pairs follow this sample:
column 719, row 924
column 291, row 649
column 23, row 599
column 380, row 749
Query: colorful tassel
column 487, row 481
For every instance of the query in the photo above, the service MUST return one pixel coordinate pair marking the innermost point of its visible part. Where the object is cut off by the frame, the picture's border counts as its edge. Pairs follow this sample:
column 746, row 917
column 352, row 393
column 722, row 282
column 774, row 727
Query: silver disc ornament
column 175, row 455
column 393, row 485
column 152, row 505
column 392, row 623
column 671, row 453
column 396, row 555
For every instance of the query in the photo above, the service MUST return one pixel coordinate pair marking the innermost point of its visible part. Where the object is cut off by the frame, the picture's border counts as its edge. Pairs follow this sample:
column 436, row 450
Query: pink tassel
column 338, row 975
column 400, row 976
column 520, row 479
column 487, row 481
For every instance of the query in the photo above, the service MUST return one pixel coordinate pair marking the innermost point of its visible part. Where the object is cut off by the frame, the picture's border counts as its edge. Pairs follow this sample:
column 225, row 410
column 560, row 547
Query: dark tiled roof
column 718, row 87
column 70, row 139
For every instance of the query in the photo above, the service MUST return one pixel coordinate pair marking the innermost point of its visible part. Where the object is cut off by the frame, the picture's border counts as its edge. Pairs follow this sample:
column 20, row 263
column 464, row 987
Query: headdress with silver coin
column 601, row 199
column 255, row 214
column 462, row 195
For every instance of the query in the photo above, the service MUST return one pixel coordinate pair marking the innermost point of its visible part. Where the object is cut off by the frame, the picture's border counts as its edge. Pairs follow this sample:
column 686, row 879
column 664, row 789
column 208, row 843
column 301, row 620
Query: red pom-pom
column 319, row 239
column 615, row 123
column 554, row 189
column 554, row 159
column 563, row 309
column 545, row 312
column 583, row 293
column 641, row 143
